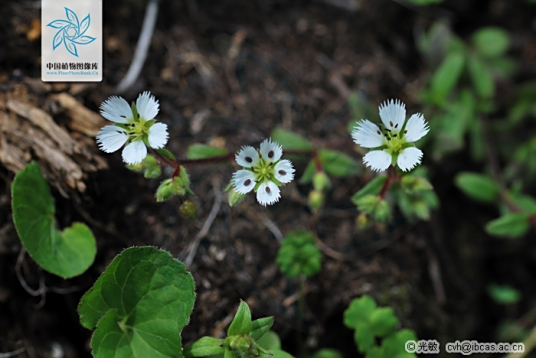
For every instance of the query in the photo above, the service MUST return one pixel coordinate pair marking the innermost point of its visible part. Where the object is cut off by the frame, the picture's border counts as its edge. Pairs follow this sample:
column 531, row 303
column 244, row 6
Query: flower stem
column 391, row 175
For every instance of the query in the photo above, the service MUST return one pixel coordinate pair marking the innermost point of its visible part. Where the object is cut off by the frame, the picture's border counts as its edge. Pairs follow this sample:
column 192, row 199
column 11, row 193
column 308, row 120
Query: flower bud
column 188, row 210
column 321, row 181
column 316, row 200
column 362, row 221
column 235, row 198
column 382, row 212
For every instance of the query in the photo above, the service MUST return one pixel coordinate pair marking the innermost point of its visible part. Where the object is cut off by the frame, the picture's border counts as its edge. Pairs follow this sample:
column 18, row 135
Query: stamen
column 405, row 131
column 270, row 154
column 396, row 125
column 247, row 182
column 282, row 172
column 249, row 159
column 268, row 190
column 378, row 131
column 391, row 123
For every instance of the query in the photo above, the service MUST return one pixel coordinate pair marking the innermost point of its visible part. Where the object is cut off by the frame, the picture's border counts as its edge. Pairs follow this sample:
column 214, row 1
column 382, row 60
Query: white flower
column 392, row 140
column 263, row 172
column 134, row 126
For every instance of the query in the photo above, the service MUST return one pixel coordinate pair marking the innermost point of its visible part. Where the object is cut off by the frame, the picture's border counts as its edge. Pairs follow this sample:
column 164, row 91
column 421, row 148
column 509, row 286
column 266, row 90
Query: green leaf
column 491, row 41
column 308, row 173
column 290, row 140
column 139, row 305
column 338, row 164
column 278, row 353
column 260, row 326
column 481, row 77
column 509, row 225
column 66, row 254
column 363, row 337
column 383, row 321
column 327, row 353
column 299, row 254
column 202, row 151
column 241, row 323
column 372, row 188
column 415, row 184
column 166, row 153
column 394, row 344
column 360, row 310
column 504, row 294
column 446, row 76
column 270, row 341
column 152, row 167
column 478, row 186
column 204, row 347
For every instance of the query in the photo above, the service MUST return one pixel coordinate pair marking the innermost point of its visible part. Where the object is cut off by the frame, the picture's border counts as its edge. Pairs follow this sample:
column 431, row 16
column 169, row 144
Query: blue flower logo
column 71, row 32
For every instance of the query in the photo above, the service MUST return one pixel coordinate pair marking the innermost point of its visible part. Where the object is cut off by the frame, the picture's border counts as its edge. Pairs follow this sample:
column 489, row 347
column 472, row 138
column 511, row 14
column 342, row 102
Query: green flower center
column 263, row 170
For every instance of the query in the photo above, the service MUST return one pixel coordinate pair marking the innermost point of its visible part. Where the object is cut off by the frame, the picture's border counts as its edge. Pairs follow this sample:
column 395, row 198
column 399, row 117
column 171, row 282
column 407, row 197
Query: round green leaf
column 66, row 254
column 383, row 321
column 509, row 225
column 363, row 337
column 491, row 41
column 359, row 311
column 478, row 186
column 139, row 305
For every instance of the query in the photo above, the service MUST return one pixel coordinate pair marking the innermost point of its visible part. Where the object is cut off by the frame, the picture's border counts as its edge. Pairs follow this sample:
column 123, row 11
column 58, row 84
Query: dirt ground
column 228, row 73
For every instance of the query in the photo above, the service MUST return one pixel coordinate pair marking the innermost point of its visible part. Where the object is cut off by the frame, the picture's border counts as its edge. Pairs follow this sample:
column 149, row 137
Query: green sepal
column 241, row 324
column 367, row 203
column 321, row 181
column 235, row 198
column 205, row 347
column 135, row 114
column 382, row 212
column 152, row 167
column 260, row 326
column 188, row 210
column 415, row 184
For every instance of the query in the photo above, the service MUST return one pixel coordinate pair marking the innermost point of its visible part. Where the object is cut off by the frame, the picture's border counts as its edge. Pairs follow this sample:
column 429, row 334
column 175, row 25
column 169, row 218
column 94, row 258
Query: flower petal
column 409, row 158
column 271, row 151
column 116, row 109
column 367, row 134
column 147, row 105
column 268, row 193
column 247, row 156
column 416, row 128
column 243, row 181
column 135, row 152
column 283, row 171
column 393, row 114
column 377, row 160
column 158, row 135
column 111, row 138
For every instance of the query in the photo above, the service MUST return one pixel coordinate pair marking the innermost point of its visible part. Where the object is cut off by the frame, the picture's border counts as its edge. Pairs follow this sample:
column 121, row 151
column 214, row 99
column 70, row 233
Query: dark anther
column 405, row 131
column 247, row 182
column 394, row 135
column 249, row 160
column 282, row 172
column 396, row 126
column 268, row 190
column 270, row 154
column 391, row 123
column 379, row 131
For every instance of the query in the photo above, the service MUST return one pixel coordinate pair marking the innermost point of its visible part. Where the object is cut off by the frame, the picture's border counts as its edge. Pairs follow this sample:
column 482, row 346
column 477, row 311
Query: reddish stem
column 391, row 176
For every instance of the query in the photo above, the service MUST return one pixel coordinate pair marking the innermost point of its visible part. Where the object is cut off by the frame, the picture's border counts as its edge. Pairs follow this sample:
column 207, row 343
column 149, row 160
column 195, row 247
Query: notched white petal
column 393, row 114
column 268, row 193
column 158, row 135
column 247, row 156
column 271, row 151
column 116, row 109
column 416, row 128
column 367, row 134
column 111, row 138
column 147, row 105
column 283, row 171
column 243, row 181
column 409, row 158
column 377, row 160
column 134, row 152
